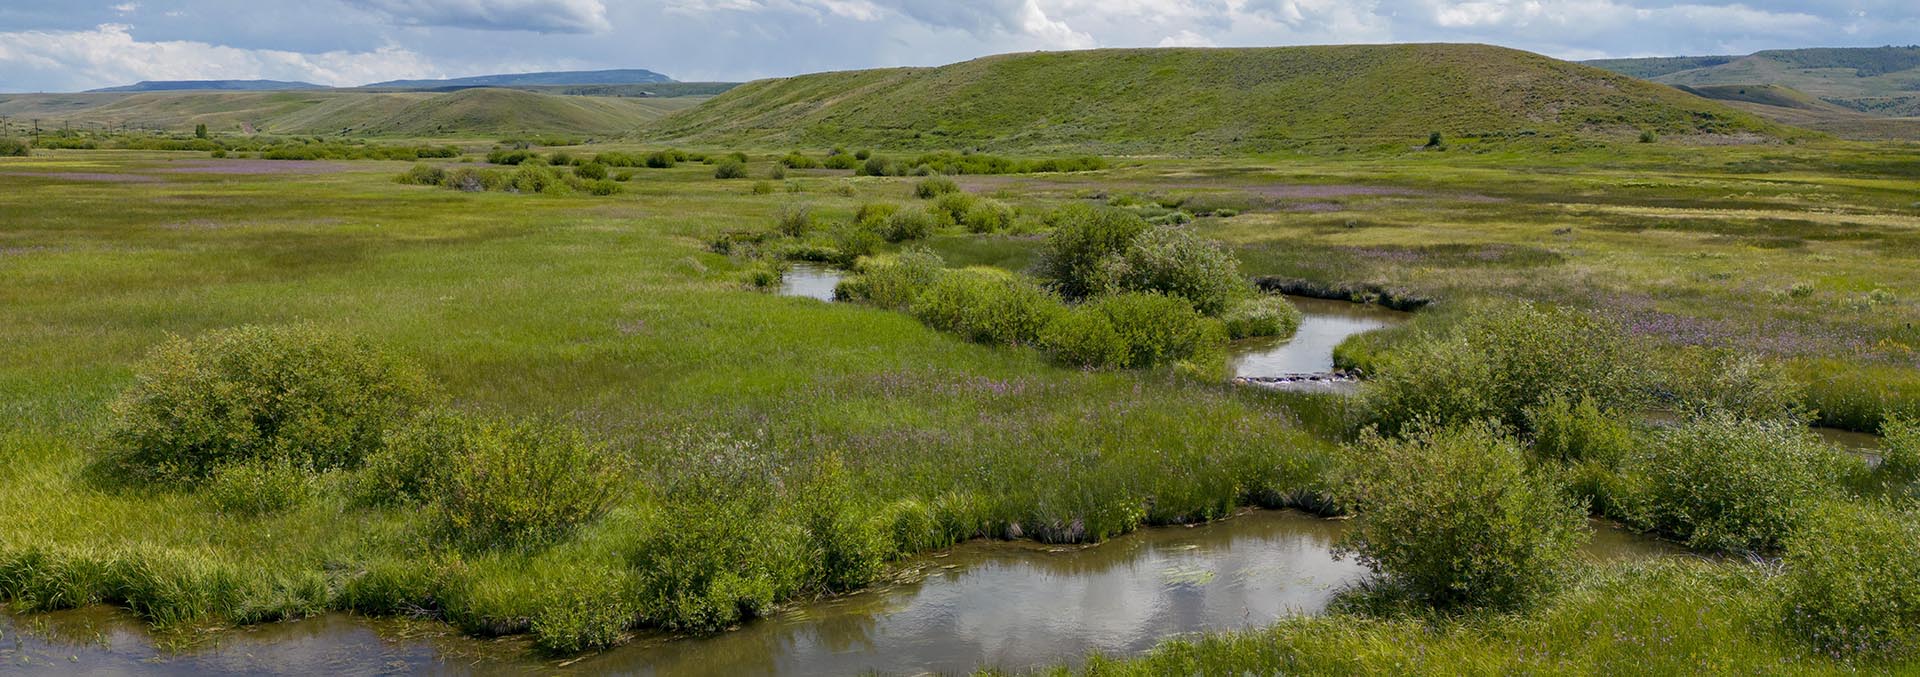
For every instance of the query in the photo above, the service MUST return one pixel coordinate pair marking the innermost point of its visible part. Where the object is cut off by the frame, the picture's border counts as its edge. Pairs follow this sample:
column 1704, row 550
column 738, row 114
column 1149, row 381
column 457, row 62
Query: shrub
column 662, row 159
column 879, row 166
column 763, row 275
column 1566, row 432
column 862, row 154
column 1453, row 518
column 1723, row 483
column 560, row 158
column 717, row 554
column 730, row 169
column 1699, row 380
column 1085, row 338
column 1161, row 330
column 929, row 188
column 875, row 214
column 762, row 188
column 987, row 308
column 1853, row 582
column 14, row 148
column 294, row 395
column 517, row 484
column 908, row 224
column 796, row 160
column 1900, row 450
column 1498, row 362
column 841, row 162
column 534, row 179
column 952, row 208
column 855, row 241
column 893, row 284
column 1083, row 238
column 1265, row 315
column 592, row 171
column 986, row 216
column 1176, row 262
column 259, row 488
column 422, row 175
column 470, row 180
column 510, row 157
column 777, row 172
column 793, row 221
column 848, row 547
column 604, row 187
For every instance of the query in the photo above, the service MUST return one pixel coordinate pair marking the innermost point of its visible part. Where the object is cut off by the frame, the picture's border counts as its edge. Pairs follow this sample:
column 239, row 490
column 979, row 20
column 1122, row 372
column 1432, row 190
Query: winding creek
column 1012, row 605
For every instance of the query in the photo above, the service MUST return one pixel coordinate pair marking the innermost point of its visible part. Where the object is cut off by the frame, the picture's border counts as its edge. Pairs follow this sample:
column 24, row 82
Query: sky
column 71, row 45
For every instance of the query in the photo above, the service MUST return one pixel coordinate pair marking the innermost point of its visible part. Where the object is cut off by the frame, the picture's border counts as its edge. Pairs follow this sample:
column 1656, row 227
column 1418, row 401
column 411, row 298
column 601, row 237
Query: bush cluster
column 1083, row 238
column 1853, row 582
column 1719, row 482
column 10, row 147
column 1454, row 518
column 294, row 395
column 990, row 308
column 730, row 169
column 529, row 177
column 1264, row 315
column 1498, row 362
column 1177, row 262
column 892, row 283
column 505, row 484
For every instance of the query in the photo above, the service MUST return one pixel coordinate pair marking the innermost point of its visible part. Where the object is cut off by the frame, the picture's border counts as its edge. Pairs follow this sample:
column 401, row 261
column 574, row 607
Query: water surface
column 1323, row 326
column 811, row 281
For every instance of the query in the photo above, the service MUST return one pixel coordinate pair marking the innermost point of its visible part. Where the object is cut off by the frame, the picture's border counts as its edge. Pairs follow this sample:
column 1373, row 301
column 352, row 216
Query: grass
column 610, row 314
column 1174, row 101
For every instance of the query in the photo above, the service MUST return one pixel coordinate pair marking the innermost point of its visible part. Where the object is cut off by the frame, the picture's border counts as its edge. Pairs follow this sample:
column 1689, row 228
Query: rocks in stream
column 1333, row 381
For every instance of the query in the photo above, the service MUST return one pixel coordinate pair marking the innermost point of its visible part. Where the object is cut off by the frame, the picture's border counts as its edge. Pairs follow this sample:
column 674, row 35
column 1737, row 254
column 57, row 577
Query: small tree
column 1083, row 237
column 1434, row 140
column 1454, row 517
column 200, row 131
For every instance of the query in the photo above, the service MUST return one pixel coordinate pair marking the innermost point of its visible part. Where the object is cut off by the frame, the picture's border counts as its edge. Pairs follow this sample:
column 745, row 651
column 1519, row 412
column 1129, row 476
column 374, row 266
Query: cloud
column 539, row 16
column 984, row 19
column 1186, row 38
column 109, row 55
column 126, row 8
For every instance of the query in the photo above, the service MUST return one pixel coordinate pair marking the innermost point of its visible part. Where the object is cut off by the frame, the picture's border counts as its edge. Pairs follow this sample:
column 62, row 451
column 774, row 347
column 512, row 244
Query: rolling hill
column 630, row 76
column 1882, row 81
column 468, row 112
column 1793, row 107
column 1192, row 101
column 210, row 85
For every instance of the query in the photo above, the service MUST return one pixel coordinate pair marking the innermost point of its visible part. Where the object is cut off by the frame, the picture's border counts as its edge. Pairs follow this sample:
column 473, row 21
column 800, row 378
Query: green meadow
column 732, row 450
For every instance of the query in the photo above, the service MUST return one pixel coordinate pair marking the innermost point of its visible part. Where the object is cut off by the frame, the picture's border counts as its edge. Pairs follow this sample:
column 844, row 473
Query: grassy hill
column 224, row 85
column 1203, row 100
column 1793, row 107
column 627, row 76
column 469, row 112
column 1881, row 81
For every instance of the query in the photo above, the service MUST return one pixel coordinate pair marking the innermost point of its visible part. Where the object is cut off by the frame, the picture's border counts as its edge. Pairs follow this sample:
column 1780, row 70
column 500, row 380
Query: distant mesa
column 626, row 76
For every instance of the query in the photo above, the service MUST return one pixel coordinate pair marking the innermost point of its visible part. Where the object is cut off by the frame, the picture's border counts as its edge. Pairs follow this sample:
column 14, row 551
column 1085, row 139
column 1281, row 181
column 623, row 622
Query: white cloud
column 109, row 55
column 126, row 8
column 540, row 16
column 1186, row 38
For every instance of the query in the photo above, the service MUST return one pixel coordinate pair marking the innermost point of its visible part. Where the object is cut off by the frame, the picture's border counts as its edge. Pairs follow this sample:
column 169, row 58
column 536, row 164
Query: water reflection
column 1324, row 325
column 811, row 281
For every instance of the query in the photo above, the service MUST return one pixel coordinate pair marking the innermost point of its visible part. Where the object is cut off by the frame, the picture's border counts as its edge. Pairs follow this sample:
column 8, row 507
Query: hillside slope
column 627, row 76
column 1793, row 107
column 1877, row 80
column 218, row 85
column 1202, row 100
column 462, row 113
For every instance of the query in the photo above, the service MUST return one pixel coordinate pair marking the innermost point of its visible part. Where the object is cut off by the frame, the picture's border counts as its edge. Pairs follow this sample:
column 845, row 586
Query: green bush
column 1454, row 518
column 855, row 241
column 10, row 147
column 1264, row 315
column 592, row 171
column 987, row 308
column 793, row 221
column 762, row 188
column 763, row 275
column 1085, row 338
column 1900, row 450
column 1566, row 432
column 730, row 169
column 1161, row 330
column 880, row 166
column 849, row 547
column 777, row 172
column 986, row 216
column 510, row 157
column 662, row 159
column 909, row 224
column 1700, row 380
column 259, row 488
column 1853, row 582
column 717, row 553
column 296, row 395
column 1083, row 238
column 604, row 187
column 470, row 180
column 796, row 160
column 1723, row 483
column 953, row 207
column 422, row 175
column 930, row 188
column 893, row 284
column 531, row 178
column 520, row 484
column 584, row 610
column 841, row 162
column 1498, row 362
column 1176, row 262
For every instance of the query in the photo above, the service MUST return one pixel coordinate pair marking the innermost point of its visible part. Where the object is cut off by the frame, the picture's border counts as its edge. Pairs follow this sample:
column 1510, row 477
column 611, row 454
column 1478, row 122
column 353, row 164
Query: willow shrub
column 295, row 395
column 1176, row 262
column 1265, row 315
column 893, row 283
column 1454, row 518
column 1161, row 330
column 1853, row 582
column 1900, row 453
column 515, row 484
column 1083, row 238
column 1720, row 482
column 987, row 308
column 1500, row 361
